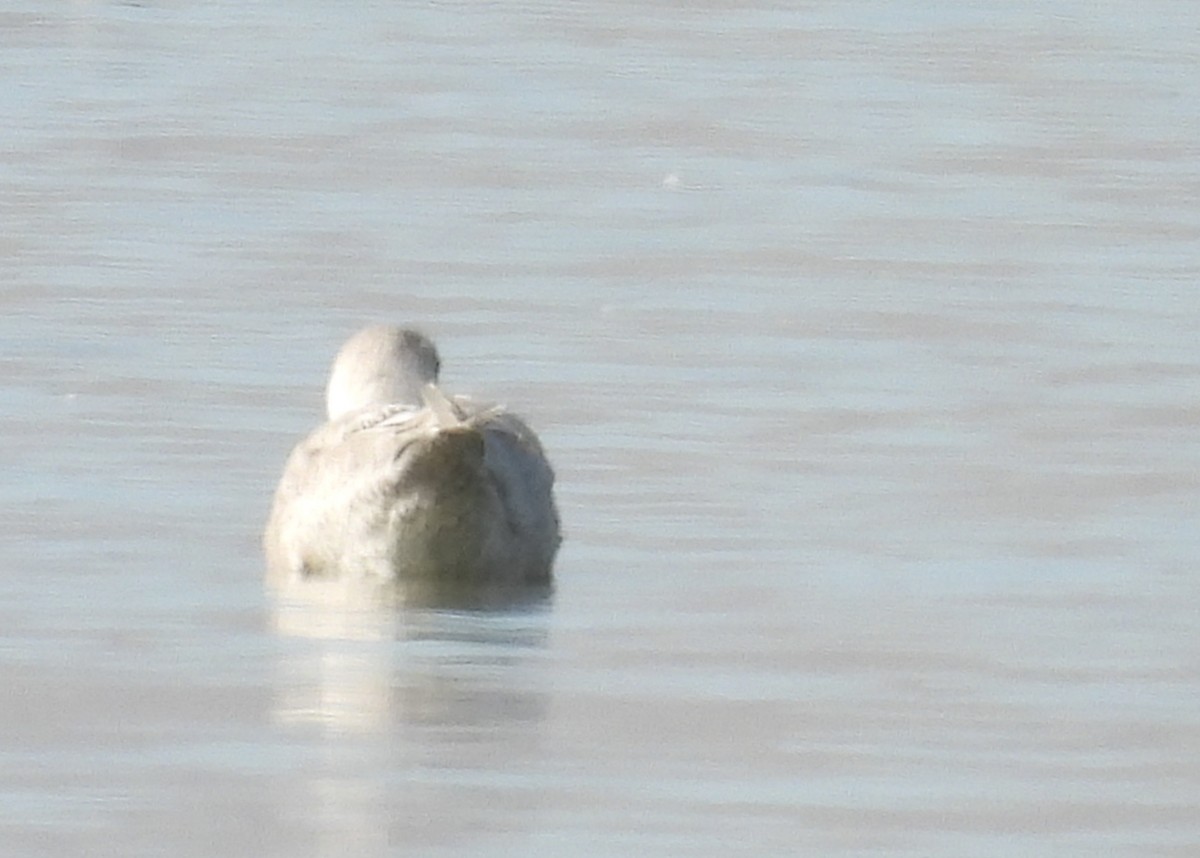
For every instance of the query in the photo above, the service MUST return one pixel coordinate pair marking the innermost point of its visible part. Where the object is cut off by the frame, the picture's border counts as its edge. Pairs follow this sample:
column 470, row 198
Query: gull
column 405, row 484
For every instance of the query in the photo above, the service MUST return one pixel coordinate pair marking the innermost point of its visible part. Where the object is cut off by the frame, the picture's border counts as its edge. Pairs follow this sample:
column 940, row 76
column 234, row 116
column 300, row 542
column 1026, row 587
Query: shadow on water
column 395, row 599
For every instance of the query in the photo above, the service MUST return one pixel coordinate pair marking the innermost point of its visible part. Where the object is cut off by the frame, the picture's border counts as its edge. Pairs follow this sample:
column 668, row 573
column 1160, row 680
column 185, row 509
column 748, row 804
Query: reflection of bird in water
column 356, row 663
column 404, row 484
column 399, row 711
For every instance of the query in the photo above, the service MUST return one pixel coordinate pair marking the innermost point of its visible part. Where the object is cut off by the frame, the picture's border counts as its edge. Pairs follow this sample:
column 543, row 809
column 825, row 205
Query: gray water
column 864, row 339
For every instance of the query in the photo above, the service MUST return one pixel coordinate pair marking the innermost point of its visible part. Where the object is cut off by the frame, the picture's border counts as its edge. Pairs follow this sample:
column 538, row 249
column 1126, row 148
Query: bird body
column 405, row 484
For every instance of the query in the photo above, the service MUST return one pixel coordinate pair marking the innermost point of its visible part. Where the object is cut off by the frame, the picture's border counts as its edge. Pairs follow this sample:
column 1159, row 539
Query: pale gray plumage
column 406, row 484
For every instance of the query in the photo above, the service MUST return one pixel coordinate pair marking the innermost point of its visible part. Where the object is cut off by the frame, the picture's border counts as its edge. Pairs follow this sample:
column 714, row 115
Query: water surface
column 864, row 340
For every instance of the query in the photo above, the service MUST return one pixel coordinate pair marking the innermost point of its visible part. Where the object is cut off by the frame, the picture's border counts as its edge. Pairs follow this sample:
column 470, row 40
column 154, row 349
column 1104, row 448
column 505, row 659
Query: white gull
column 405, row 484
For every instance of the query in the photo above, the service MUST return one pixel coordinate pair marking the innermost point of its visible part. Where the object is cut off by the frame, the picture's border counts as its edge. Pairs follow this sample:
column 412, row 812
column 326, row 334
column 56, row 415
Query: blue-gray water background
column 865, row 338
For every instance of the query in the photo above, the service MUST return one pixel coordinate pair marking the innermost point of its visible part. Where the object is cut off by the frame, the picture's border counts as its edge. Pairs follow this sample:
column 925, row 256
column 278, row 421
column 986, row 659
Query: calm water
column 865, row 338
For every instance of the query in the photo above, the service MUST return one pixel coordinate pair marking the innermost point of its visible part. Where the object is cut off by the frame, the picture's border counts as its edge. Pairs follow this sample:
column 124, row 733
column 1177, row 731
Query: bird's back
column 392, row 493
